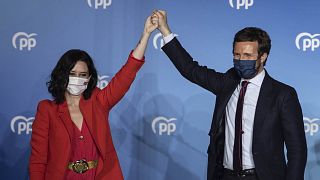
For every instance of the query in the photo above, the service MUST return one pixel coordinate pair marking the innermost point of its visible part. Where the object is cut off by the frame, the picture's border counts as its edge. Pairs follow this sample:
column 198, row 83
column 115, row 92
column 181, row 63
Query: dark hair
column 253, row 34
column 60, row 74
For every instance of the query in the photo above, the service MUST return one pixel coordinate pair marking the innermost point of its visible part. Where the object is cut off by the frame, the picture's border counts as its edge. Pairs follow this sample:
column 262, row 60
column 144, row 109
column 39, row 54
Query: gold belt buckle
column 80, row 166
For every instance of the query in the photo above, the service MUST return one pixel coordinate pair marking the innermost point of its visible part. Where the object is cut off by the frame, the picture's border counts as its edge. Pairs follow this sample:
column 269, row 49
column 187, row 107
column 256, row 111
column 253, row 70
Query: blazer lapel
column 263, row 104
column 64, row 116
column 228, row 94
column 86, row 110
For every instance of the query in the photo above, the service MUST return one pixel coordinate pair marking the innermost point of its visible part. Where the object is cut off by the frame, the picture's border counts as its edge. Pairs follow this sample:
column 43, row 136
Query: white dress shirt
column 249, row 108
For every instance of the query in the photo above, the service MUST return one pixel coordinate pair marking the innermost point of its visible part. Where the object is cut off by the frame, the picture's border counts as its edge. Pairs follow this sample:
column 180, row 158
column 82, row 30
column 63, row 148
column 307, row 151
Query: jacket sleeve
column 191, row 70
column 39, row 143
column 294, row 135
column 120, row 83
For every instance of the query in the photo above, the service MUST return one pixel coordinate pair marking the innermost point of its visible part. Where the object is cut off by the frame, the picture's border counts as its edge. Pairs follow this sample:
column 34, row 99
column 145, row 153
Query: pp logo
column 99, row 3
column 242, row 3
column 24, row 40
column 311, row 125
column 158, row 41
column 20, row 124
column 103, row 81
column 164, row 125
column 309, row 41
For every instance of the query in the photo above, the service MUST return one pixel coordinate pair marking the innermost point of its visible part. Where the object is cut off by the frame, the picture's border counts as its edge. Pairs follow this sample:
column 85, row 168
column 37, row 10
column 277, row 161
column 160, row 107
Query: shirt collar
column 257, row 80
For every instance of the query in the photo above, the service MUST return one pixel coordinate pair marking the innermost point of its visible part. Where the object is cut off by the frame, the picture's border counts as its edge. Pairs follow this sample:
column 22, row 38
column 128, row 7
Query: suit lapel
column 223, row 101
column 263, row 104
column 64, row 116
column 229, row 93
column 232, row 85
column 86, row 110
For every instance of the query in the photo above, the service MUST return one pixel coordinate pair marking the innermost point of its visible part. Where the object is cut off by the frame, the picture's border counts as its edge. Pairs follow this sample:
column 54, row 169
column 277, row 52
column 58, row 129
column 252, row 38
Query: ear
column 263, row 58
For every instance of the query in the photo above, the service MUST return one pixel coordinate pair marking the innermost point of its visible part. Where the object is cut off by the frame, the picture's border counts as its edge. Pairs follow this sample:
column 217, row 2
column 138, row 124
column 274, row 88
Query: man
column 254, row 114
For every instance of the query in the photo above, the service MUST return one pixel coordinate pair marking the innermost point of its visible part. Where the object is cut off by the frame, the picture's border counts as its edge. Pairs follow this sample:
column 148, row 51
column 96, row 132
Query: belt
column 81, row 166
column 242, row 173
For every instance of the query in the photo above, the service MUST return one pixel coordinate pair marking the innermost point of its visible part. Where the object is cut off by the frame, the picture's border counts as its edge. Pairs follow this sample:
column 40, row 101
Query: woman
column 71, row 137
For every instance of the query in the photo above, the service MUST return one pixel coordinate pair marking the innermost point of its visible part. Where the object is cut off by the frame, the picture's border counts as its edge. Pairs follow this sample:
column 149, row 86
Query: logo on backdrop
column 241, row 4
column 99, row 3
column 311, row 126
column 21, row 125
column 103, row 81
column 307, row 41
column 22, row 40
column 162, row 125
column 158, row 41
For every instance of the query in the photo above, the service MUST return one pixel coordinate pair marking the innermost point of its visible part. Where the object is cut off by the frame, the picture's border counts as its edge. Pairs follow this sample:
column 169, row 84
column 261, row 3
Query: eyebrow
column 83, row 72
column 248, row 54
column 244, row 54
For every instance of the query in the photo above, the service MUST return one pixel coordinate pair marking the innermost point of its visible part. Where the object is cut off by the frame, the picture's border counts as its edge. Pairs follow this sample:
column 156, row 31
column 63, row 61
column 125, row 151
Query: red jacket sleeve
column 39, row 143
column 120, row 83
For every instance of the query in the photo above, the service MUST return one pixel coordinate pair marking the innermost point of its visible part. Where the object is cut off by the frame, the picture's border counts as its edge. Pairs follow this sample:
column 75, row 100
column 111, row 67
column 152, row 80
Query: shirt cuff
column 168, row 38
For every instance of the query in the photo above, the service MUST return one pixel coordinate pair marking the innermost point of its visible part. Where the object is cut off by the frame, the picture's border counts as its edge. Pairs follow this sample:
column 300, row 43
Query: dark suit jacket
column 278, row 120
column 52, row 127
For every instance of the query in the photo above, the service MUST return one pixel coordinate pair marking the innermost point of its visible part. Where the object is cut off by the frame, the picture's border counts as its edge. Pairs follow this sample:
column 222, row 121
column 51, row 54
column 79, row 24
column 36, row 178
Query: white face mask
column 77, row 85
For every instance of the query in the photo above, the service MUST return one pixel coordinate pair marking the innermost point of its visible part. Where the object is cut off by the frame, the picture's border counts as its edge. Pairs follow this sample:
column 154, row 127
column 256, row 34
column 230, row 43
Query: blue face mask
column 245, row 68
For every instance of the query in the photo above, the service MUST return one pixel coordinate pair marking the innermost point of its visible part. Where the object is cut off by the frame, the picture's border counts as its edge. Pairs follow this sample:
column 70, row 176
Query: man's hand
column 159, row 18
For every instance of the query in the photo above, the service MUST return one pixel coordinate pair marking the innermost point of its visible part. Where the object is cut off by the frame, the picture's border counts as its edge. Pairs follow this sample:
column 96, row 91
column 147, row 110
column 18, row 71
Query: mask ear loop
column 88, row 80
column 262, row 61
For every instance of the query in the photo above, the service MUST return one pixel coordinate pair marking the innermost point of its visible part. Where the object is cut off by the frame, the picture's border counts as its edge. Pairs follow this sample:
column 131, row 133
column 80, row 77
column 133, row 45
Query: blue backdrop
column 160, row 127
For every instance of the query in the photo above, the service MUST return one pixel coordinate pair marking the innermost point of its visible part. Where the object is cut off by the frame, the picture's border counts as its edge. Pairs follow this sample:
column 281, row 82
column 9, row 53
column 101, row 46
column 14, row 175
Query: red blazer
column 51, row 129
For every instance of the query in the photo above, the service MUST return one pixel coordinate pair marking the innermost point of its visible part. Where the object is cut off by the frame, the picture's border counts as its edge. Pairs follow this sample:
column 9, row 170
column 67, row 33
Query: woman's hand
column 159, row 18
column 150, row 25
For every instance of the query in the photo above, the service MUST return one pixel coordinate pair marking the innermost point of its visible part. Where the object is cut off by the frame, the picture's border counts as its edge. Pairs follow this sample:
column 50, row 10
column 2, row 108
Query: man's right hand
column 160, row 17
